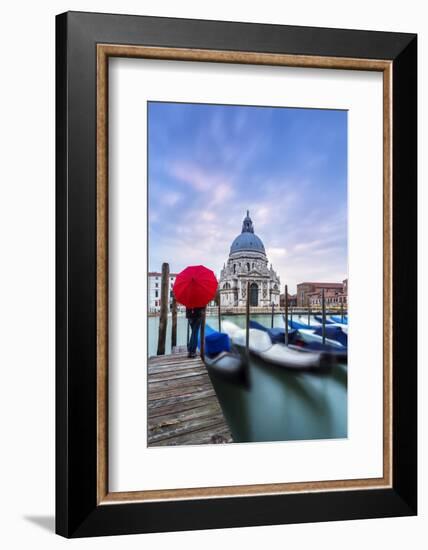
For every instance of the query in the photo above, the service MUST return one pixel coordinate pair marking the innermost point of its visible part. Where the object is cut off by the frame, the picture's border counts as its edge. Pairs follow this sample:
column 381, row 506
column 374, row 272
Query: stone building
column 154, row 283
column 309, row 294
column 248, row 262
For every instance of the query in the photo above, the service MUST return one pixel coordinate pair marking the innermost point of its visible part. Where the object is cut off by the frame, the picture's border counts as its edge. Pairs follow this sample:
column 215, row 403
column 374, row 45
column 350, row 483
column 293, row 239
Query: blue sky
column 208, row 164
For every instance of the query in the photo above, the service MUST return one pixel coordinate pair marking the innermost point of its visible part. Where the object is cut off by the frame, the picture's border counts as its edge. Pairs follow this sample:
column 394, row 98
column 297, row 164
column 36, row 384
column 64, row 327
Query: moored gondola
column 278, row 354
column 219, row 359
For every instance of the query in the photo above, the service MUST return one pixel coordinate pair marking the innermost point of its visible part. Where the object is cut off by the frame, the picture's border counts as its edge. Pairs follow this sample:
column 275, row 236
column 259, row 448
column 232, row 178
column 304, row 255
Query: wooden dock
column 182, row 405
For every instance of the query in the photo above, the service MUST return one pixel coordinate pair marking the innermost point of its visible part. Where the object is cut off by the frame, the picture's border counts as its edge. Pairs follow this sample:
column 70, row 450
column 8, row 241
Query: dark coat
column 194, row 313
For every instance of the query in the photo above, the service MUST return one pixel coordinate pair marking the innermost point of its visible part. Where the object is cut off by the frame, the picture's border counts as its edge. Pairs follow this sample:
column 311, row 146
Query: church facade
column 248, row 262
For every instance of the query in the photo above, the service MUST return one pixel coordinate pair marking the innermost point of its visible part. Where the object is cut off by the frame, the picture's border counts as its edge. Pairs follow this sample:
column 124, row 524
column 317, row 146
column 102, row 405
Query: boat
column 308, row 340
column 276, row 334
column 261, row 346
column 334, row 332
column 339, row 320
column 219, row 359
column 319, row 319
column 298, row 325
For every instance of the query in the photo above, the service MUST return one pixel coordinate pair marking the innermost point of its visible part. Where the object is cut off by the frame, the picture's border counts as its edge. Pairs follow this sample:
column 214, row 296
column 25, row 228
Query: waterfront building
column 154, row 282
column 292, row 300
column 335, row 294
column 248, row 262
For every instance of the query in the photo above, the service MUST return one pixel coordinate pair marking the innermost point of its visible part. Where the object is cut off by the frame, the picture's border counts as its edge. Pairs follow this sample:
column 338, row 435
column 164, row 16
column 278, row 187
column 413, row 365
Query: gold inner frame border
column 104, row 52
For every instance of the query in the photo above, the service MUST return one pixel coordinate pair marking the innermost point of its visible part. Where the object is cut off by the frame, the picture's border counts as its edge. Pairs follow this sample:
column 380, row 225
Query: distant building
column 155, row 290
column 248, row 263
column 292, row 300
column 309, row 294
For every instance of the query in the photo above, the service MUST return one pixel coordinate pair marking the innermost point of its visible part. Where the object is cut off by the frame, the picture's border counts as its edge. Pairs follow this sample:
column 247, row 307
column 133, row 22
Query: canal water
column 277, row 404
column 210, row 320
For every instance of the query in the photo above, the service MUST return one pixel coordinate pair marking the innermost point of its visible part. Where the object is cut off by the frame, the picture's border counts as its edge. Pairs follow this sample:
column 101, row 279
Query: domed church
column 248, row 262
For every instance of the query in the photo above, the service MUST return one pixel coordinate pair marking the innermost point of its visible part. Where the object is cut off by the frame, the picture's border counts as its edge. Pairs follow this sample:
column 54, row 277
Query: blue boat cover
column 296, row 325
column 319, row 319
column 277, row 334
column 216, row 342
column 258, row 326
column 334, row 333
column 338, row 319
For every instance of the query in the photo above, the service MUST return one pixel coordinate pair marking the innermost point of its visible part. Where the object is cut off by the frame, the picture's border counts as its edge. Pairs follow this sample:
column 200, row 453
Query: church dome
column 247, row 241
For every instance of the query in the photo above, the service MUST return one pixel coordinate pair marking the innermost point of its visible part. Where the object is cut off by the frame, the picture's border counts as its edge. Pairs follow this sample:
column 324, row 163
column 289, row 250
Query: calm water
column 278, row 405
column 211, row 320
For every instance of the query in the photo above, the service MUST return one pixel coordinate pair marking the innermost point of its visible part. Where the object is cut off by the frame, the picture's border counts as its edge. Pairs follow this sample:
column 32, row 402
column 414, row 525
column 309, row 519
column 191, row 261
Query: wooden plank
column 168, row 365
column 155, row 369
column 171, row 357
column 182, row 405
column 181, row 428
column 177, row 392
column 171, row 375
column 174, row 408
column 173, row 360
column 156, row 403
column 209, row 409
column 186, row 382
column 211, row 435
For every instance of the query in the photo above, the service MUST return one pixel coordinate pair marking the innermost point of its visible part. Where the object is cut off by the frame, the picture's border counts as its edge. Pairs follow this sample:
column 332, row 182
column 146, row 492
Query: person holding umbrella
column 194, row 288
column 194, row 316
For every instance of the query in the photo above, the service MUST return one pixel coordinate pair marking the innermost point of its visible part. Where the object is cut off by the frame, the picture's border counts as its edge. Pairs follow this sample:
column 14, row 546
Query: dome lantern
column 247, row 241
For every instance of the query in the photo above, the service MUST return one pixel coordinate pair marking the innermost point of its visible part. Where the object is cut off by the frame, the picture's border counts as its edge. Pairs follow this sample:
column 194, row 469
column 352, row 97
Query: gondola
column 276, row 334
column 336, row 341
column 261, row 346
column 319, row 319
column 338, row 319
column 298, row 325
column 219, row 359
column 311, row 340
column 334, row 332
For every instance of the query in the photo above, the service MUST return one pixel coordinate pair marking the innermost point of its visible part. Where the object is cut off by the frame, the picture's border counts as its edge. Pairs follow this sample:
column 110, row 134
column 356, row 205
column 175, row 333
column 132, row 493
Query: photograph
column 247, row 298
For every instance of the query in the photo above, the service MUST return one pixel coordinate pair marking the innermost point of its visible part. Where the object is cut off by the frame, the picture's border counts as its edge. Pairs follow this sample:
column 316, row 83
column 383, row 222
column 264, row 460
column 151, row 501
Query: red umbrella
column 195, row 286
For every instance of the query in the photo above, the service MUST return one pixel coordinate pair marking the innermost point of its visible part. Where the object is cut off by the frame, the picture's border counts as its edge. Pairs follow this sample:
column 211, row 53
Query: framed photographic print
column 236, row 274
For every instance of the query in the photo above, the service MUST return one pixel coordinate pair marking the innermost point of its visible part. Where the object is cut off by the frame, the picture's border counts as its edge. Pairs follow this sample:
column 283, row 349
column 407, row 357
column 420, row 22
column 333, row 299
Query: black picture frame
column 77, row 512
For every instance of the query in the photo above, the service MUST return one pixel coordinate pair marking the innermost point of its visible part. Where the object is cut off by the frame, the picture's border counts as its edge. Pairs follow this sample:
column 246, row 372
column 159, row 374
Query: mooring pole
column 341, row 307
column 273, row 313
column 174, row 324
column 286, row 313
column 219, row 315
column 309, row 314
column 202, row 335
column 323, row 315
column 247, row 318
column 163, row 319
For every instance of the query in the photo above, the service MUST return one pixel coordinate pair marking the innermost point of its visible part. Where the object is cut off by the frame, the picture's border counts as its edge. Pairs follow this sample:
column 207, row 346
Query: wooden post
column 247, row 329
column 163, row 320
column 341, row 308
column 286, row 313
column 174, row 324
column 219, row 315
column 273, row 313
column 323, row 315
column 202, row 336
column 309, row 314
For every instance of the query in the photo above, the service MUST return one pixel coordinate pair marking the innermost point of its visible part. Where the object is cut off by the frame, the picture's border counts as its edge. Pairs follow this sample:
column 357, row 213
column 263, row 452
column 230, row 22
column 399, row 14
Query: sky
column 208, row 164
